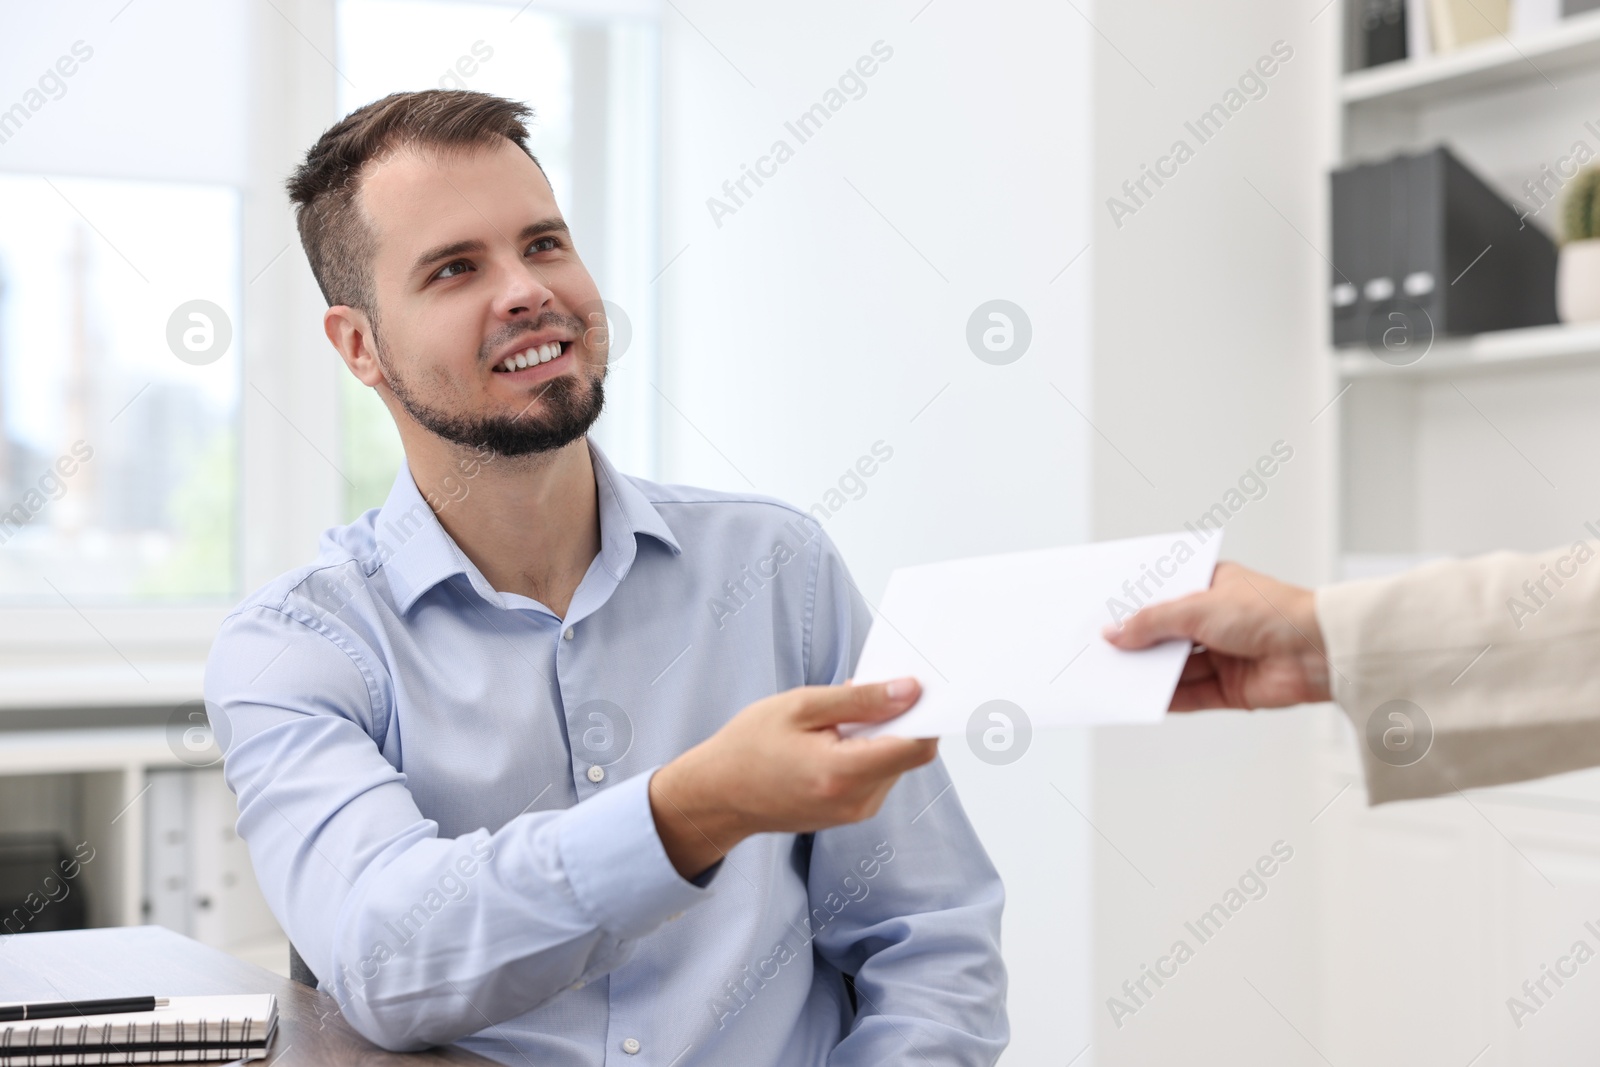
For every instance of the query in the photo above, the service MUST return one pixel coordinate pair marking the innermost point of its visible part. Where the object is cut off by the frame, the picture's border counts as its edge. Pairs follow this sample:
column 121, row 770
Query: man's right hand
column 780, row 765
column 1258, row 644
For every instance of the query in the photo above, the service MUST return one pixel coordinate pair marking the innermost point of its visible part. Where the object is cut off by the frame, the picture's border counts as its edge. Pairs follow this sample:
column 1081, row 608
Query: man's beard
column 569, row 410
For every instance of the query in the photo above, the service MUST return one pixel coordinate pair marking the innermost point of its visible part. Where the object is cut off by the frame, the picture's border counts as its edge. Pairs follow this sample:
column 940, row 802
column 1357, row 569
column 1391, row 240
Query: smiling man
column 505, row 780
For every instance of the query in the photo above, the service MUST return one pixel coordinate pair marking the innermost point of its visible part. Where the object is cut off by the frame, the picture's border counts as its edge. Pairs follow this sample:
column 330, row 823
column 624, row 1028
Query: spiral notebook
column 188, row 1030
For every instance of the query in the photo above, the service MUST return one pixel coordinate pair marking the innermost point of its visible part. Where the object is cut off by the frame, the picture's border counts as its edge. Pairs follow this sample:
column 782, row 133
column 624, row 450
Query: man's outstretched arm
column 424, row 939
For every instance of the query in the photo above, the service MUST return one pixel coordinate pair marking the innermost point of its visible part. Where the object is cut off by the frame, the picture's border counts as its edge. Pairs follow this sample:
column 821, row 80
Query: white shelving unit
column 1468, row 448
column 92, row 786
column 1488, row 65
column 1435, row 911
column 107, row 768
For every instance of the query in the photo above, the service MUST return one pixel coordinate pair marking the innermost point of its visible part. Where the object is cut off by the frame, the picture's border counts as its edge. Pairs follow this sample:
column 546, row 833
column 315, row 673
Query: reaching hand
column 1257, row 642
column 781, row 765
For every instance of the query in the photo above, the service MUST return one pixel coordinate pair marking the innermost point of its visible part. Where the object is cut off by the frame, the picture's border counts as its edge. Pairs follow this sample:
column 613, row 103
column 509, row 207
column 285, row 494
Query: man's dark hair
column 337, row 240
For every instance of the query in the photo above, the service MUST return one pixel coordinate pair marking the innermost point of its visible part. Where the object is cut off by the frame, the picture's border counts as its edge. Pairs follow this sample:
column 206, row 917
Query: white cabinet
column 155, row 832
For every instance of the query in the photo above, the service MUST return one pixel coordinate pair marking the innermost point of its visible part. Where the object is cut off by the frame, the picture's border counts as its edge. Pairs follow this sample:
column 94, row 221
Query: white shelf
column 103, row 684
column 1490, row 64
column 133, row 748
column 1503, row 350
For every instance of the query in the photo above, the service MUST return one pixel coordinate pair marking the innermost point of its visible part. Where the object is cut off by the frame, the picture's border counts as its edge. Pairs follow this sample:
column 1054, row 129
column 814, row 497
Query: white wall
column 1207, row 352
column 826, row 312
column 804, row 328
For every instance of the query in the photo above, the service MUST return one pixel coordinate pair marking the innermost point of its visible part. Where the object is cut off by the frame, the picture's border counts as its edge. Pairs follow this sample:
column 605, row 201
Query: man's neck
column 530, row 524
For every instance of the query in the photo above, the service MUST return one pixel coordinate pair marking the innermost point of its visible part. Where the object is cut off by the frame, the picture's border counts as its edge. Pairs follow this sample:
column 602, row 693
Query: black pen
column 11, row 1013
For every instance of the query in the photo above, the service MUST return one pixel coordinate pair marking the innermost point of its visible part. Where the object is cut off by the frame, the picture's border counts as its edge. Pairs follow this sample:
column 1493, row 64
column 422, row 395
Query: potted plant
column 1578, row 273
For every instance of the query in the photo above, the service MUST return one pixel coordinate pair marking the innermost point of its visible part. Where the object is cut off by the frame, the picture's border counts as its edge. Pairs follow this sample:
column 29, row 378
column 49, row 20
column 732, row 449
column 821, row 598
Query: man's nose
column 521, row 290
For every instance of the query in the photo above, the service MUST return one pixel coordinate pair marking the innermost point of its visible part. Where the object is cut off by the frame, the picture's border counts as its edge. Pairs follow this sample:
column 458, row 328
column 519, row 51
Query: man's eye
column 550, row 244
column 449, row 270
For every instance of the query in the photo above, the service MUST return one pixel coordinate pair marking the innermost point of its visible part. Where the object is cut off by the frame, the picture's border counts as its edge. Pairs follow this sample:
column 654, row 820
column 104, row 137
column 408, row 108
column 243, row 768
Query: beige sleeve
column 1495, row 662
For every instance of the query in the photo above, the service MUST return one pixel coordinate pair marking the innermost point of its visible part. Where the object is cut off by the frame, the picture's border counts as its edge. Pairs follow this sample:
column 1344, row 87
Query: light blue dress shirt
column 443, row 788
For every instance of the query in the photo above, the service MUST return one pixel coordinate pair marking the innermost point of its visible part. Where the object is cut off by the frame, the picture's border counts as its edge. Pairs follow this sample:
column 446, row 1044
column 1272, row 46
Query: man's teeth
column 528, row 357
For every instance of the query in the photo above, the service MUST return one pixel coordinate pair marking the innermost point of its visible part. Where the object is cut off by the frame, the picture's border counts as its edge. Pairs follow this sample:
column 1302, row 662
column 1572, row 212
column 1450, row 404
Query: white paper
column 1025, row 628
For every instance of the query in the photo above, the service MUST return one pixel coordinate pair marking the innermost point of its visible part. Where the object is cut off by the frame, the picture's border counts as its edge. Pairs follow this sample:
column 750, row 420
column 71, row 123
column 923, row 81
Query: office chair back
column 298, row 969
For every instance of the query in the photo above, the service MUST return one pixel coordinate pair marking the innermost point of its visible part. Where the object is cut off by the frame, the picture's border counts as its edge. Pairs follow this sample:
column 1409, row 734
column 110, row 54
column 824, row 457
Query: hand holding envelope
column 1024, row 628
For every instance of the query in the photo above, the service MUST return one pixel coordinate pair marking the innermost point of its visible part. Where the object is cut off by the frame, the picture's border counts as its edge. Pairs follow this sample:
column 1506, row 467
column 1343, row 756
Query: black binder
column 1382, row 31
column 1424, row 233
column 35, row 894
column 1351, row 259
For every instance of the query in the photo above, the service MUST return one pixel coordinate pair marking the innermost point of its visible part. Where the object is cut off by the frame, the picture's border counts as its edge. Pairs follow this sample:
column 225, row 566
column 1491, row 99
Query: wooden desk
column 153, row 961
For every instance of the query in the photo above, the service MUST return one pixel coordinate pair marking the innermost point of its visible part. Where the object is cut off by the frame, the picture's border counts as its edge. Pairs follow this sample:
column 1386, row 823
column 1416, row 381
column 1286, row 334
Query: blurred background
column 1078, row 267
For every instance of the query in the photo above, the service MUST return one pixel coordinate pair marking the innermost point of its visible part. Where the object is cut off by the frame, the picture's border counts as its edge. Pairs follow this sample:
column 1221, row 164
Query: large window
column 174, row 428
column 118, row 452
column 122, row 161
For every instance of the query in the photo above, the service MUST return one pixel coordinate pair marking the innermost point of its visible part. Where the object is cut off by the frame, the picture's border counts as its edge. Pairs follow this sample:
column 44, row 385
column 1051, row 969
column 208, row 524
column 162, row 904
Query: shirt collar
column 417, row 554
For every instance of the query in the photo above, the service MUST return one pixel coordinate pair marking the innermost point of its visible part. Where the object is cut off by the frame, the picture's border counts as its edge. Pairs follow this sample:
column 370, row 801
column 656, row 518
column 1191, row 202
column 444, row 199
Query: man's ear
column 351, row 333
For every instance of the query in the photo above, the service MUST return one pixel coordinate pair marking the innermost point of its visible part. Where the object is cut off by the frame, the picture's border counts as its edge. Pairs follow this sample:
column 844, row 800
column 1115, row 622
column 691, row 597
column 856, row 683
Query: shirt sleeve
column 421, row 939
column 1469, row 672
column 907, row 902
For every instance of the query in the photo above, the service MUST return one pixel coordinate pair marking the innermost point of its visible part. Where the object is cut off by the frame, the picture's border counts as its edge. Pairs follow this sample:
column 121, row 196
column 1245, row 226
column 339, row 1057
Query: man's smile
column 537, row 362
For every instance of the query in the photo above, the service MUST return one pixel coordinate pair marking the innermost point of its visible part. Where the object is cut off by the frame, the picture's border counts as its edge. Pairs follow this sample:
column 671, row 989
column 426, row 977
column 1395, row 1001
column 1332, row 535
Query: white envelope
column 1024, row 629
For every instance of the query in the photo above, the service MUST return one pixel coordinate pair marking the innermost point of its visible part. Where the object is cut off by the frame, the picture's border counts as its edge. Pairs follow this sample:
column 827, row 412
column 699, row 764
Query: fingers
column 866, row 769
column 875, row 799
column 1198, row 666
column 1199, row 686
column 1201, row 695
column 877, row 757
column 833, row 704
column 1174, row 619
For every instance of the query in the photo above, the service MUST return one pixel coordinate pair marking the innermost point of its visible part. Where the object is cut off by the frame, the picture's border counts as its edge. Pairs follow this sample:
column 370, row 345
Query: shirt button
column 631, row 1046
column 597, row 774
column 566, row 635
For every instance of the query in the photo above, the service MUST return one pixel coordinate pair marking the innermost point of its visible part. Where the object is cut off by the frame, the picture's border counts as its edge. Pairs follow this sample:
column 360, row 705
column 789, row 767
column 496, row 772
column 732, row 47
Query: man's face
column 487, row 324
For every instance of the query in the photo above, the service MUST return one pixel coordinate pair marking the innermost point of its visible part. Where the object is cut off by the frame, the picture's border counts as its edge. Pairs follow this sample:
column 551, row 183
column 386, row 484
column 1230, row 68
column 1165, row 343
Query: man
column 490, row 756
column 1460, row 673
